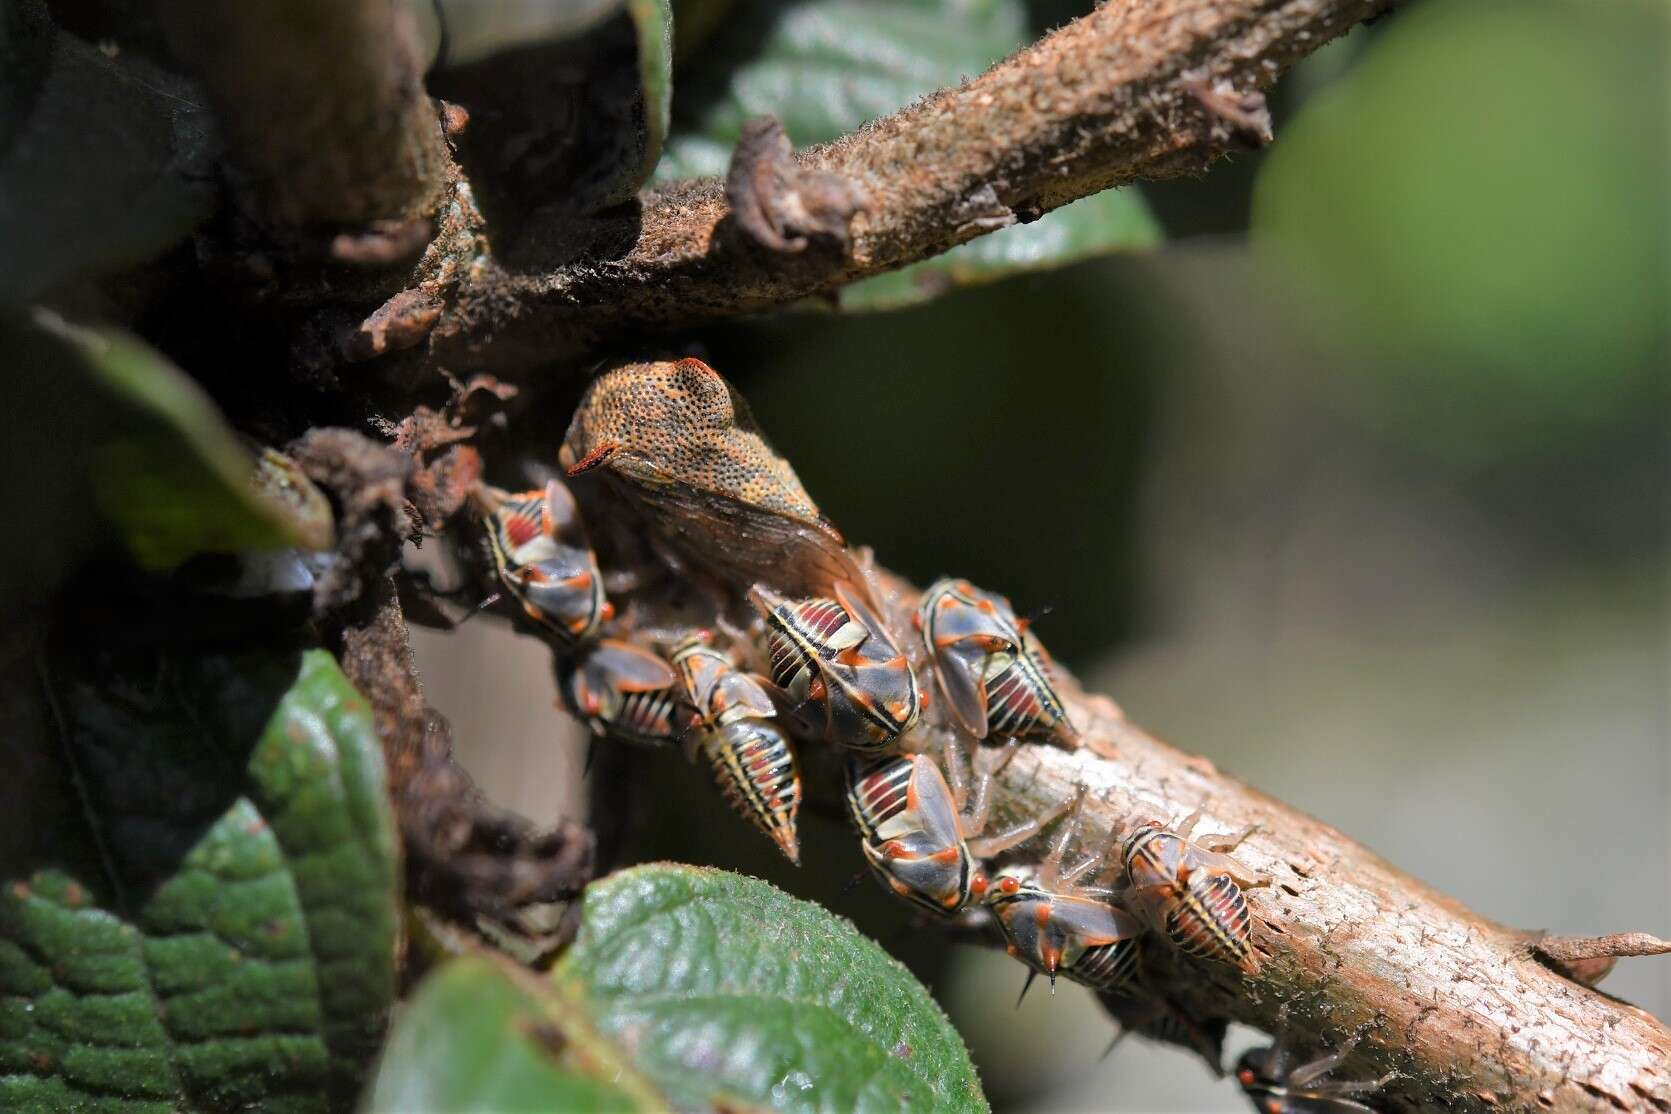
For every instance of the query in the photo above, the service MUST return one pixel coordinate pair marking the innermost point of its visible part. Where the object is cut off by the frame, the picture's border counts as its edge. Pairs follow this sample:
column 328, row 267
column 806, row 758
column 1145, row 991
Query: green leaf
column 653, row 20
column 105, row 161
column 481, row 1034
column 824, row 67
column 1114, row 220
column 165, row 469
column 724, row 990
column 235, row 947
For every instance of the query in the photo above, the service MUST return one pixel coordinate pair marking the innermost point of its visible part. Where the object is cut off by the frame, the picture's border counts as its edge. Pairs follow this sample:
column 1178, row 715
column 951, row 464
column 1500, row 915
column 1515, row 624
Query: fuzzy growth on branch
column 1136, row 89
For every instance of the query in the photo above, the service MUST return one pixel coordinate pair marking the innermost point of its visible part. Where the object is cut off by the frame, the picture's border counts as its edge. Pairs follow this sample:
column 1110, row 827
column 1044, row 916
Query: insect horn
column 1028, row 985
column 1119, row 1036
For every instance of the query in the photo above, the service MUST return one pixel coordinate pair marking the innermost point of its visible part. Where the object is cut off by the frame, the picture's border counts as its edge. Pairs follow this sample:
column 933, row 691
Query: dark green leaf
column 482, row 1035
column 824, row 67
column 236, row 950
column 654, row 21
column 164, row 468
column 104, row 160
column 1114, row 220
column 724, row 990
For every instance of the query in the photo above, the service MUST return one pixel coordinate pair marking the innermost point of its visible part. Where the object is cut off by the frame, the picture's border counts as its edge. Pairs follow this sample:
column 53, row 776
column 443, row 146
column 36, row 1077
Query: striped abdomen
column 1020, row 700
column 878, row 792
column 756, row 770
column 1107, row 966
column 801, row 633
column 646, row 717
column 1209, row 918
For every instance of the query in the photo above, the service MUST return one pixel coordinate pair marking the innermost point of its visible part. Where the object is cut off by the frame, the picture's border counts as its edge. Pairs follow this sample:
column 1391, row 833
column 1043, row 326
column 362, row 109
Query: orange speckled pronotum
column 679, row 442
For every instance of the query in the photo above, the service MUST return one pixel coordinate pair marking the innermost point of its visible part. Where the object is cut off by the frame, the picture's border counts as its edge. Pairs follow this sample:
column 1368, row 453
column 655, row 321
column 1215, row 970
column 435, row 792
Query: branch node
column 780, row 205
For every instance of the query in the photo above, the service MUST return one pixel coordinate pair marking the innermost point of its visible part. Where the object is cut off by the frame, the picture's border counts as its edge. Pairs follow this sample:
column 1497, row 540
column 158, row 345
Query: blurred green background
column 1359, row 485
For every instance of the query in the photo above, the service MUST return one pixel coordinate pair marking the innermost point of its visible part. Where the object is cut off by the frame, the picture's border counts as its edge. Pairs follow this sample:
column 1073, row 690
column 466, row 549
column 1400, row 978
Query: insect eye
column 1245, row 1077
column 1009, row 885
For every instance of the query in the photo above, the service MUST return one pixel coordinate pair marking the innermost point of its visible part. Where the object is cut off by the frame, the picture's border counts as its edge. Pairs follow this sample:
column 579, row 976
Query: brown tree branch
column 1456, row 1004
column 1112, row 98
column 323, row 109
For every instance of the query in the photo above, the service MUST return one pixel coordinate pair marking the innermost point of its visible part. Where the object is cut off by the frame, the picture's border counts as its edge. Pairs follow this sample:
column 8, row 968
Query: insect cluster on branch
column 783, row 637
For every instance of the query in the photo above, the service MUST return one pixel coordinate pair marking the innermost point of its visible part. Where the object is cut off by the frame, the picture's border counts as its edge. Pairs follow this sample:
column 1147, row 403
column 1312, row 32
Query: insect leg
column 1226, row 844
column 1323, row 1065
column 975, row 819
column 987, row 846
column 957, row 775
column 1182, row 830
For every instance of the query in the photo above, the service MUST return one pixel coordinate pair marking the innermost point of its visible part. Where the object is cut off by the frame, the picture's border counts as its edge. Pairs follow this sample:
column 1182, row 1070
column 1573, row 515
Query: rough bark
column 322, row 106
column 1455, row 1003
column 464, row 857
column 1109, row 99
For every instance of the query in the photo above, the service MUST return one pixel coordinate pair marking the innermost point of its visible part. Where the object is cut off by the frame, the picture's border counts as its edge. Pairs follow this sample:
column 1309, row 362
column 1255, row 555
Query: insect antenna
column 1113, row 1044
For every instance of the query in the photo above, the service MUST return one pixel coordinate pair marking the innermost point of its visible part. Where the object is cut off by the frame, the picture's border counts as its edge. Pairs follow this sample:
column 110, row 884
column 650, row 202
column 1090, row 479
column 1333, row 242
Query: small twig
column 1589, row 959
column 465, row 858
column 1454, row 1003
column 1109, row 99
column 1565, row 949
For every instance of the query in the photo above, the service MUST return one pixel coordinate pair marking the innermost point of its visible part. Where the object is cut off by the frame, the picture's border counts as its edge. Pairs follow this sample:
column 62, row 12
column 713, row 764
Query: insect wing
column 959, row 674
column 625, row 668
column 935, row 807
column 1093, row 923
column 1198, row 858
column 562, row 515
column 737, row 696
column 565, row 594
column 853, row 603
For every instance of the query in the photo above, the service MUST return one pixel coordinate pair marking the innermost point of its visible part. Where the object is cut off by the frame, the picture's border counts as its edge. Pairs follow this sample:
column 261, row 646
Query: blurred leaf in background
column 824, row 67
column 106, row 160
column 1475, row 219
column 164, row 467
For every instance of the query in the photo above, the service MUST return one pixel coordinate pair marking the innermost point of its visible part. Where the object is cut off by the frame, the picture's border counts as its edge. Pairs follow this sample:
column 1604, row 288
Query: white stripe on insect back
column 878, row 798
